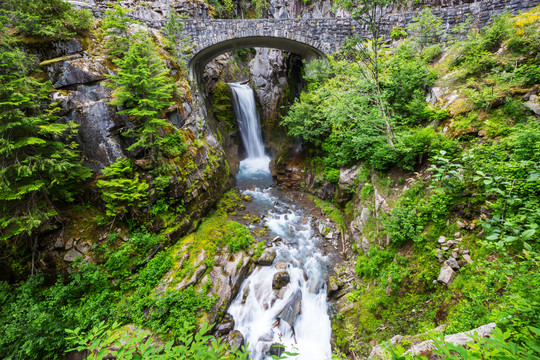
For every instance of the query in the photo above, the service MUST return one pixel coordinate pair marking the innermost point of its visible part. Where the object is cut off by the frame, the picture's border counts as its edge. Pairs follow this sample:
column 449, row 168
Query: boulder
column 267, row 257
column 333, row 285
column 452, row 263
column 84, row 248
column 434, row 95
column 467, row 258
column 441, row 240
column 534, row 104
column 292, row 308
column 226, row 276
column 200, row 268
column 348, row 175
column 235, row 339
column 446, row 275
column 72, row 255
column 380, row 202
column 462, row 339
column 365, row 245
column 280, row 280
column 226, row 325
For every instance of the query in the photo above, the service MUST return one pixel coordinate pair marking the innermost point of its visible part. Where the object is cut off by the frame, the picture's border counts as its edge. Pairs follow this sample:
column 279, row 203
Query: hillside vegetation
column 462, row 167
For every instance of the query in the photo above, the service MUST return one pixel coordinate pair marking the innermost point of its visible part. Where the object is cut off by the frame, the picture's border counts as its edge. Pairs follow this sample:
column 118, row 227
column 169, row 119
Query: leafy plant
column 102, row 342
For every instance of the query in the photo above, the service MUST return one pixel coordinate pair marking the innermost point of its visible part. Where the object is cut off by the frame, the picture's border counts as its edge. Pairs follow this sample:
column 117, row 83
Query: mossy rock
column 222, row 105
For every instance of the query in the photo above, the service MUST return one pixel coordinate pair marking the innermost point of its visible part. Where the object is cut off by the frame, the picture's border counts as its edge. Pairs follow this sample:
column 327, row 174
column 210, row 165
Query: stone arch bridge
column 309, row 38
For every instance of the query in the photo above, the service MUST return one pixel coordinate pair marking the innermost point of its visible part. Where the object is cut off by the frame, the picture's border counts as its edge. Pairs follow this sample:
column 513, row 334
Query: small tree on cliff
column 372, row 13
column 38, row 162
column 144, row 91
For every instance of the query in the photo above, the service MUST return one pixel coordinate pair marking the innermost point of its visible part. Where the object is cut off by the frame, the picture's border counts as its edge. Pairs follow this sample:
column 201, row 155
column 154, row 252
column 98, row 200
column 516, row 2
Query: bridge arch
column 199, row 60
column 308, row 38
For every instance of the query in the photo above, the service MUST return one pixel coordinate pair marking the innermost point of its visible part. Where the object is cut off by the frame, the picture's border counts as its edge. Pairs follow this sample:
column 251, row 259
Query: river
column 292, row 315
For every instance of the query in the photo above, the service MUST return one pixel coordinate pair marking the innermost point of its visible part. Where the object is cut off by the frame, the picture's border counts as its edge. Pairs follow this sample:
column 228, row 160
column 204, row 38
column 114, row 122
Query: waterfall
column 255, row 169
column 294, row 316
column 248, row 119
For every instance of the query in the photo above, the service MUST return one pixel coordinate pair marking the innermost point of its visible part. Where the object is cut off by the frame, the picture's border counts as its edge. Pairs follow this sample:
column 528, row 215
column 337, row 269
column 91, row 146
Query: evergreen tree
column 144, row 91
column 53, row 19
column 37, row 166
column 116, row 30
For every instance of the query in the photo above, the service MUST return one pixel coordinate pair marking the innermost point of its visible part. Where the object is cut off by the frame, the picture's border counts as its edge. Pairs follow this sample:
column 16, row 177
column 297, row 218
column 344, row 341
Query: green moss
column 222, row 105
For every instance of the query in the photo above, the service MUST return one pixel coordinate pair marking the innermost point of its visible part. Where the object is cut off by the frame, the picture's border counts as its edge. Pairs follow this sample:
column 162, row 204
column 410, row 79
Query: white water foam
column 260, row 312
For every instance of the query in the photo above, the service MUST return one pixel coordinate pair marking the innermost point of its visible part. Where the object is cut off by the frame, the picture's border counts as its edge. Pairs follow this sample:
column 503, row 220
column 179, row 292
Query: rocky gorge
column 316, row 237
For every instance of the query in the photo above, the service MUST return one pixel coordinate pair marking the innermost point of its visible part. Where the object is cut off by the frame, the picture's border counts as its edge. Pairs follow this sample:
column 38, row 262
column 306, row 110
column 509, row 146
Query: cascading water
column 255, row 166
column 248, row 119
column 295, row 313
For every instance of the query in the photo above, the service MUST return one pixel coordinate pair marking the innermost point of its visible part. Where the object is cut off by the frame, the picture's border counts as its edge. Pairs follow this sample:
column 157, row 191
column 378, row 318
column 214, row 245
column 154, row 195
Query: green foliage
column 260, row 7
column 403, row 225
column 100, row 341
column 426, row 28
column 222, row 105
column 119, row 286
column 343, row 123
column 52, row 19
column 509, row 172
column 398, row 33
column 500, row 30
column 33, row 317
column 177, row 43
column 122, row 190
column 372, row 265
column 237, row 236
column 39, row 162
column 116, row 30
column 421, row 144
column 431, row 53
column 497, row 346
column 144, row 90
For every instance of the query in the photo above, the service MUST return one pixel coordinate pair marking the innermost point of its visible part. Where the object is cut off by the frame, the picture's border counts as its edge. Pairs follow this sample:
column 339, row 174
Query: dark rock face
column 276, row 350
column 55, row 49
column 281, row 279
column 98, row 140
column 77, row 71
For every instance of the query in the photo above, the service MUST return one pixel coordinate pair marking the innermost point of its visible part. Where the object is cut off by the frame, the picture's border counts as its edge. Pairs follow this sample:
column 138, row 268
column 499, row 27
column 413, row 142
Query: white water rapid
column 296, row 316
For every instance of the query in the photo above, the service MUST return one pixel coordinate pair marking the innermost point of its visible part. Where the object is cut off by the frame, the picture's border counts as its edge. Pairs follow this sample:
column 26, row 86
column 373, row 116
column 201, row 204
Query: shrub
column 403, row 225
column 500, row 30
column 372, row 265
column 122, row 190
column 237, row 236
column 426, row 28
